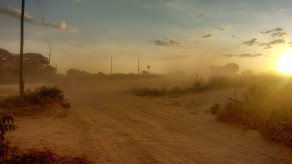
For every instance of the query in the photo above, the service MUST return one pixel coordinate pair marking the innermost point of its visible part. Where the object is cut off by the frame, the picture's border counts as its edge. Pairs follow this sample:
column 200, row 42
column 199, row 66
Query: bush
column 175, row 91
column 46, row 156
column 41, row 96
column 197, row 81
column 215, row 108
column 156, row 92
column 6, row 125
column 217, row 82
column 268, row 111
column 148, row 92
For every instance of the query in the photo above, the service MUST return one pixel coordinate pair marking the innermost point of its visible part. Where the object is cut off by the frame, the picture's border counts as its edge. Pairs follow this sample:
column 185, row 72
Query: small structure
column 230, row 69
column 145, row 73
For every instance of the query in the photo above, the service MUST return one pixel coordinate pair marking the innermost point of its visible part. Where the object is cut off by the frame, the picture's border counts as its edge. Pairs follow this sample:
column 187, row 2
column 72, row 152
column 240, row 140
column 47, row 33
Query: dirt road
column 112, row 126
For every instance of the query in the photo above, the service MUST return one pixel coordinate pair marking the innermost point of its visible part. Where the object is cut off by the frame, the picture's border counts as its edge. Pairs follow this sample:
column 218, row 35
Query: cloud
column 222, row 29
column 243, row 55
column 250, row 42
column 16, row 13
column 273, row 30
column 207, row 36
column 269, row 45
column 201, row 15
column 250, row 55
column 167, row 42
column 279, row 34
column 61, row 26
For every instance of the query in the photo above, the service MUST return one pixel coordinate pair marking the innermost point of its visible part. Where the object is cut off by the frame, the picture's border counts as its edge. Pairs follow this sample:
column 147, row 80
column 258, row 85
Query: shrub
column 41, row 96
column 217, row 82
column 215, row 108
column 157, row 92
column 268, row 111
column 197, row 81
column 46, row 155
column 149, row 92
column 222, row 82
column 6, row 125
column 175, row 91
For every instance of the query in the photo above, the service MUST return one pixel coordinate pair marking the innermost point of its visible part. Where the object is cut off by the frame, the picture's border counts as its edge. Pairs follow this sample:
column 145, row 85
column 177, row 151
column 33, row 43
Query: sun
column 285, row 63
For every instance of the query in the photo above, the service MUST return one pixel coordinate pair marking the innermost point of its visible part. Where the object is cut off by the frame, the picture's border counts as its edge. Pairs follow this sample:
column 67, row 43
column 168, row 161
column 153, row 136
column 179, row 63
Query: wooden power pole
column 21, row 82
column 138, row 66
column 50, row 54
column 111, row 65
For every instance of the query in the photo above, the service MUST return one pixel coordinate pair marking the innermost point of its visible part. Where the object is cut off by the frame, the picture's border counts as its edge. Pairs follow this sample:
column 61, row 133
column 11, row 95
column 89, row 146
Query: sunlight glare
column 285, row 63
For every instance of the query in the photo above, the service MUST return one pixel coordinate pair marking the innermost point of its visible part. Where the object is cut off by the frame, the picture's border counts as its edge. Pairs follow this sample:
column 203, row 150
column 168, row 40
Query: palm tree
column 21, row 83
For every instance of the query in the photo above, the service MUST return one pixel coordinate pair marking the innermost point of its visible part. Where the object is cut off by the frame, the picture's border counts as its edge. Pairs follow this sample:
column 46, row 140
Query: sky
column 168, row 35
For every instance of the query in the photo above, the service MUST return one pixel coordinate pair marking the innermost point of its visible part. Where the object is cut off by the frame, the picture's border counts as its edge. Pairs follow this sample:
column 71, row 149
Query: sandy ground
column 112, row 126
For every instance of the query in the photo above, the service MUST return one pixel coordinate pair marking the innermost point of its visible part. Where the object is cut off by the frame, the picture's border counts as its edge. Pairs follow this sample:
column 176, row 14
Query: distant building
column 145, row 72
column 229, row 69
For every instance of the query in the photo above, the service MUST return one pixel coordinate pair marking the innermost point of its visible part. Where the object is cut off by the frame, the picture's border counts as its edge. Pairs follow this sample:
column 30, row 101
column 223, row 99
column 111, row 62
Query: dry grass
column 268, row 110
column 41, row 96
column 197, row 85
column 157, row 92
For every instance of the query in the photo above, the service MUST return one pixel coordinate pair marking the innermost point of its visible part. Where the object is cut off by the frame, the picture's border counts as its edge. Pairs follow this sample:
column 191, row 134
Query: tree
column 230, row 69
column 35, row 66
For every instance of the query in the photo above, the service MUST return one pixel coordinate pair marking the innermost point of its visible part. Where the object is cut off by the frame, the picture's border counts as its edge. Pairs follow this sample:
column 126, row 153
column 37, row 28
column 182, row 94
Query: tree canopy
column 34, row 65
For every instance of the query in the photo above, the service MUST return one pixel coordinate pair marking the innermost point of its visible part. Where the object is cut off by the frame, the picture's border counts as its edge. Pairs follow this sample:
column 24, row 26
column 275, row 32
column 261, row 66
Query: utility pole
column 50, row 54
column 138, row 66
column 111, row 65
column 21, row 82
